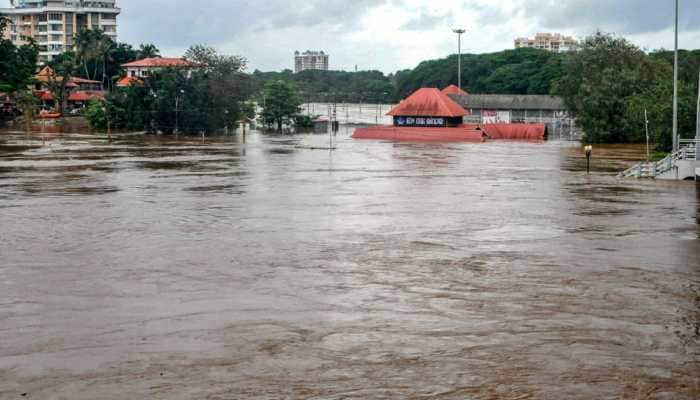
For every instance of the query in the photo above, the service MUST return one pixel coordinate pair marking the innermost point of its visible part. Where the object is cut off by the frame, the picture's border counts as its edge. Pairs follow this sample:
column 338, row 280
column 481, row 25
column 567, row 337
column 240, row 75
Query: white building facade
column 54, row 24
column 310, row 60
column 548, row 41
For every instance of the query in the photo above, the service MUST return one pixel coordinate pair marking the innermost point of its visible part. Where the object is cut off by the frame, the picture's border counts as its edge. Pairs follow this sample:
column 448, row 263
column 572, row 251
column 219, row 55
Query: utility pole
column 459, row 33
column 676, row 140
column 697, row 124
column 177, row 111
column 646, row 124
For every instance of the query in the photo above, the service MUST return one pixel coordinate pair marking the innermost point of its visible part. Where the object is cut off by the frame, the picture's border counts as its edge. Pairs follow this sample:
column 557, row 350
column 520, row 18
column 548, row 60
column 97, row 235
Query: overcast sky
column 390, row 34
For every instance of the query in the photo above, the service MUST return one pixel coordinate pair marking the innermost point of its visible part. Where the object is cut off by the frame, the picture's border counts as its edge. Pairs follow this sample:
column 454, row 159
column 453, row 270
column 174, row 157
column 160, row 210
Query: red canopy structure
column 516, row 131
column 413, row 134
column 453, row 89
column 430, row 115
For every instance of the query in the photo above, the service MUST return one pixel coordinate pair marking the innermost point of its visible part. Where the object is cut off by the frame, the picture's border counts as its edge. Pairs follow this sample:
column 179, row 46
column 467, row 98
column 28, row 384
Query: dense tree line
column 210, row 98
column 334, row 86
column 610, row 83
column 520, row 71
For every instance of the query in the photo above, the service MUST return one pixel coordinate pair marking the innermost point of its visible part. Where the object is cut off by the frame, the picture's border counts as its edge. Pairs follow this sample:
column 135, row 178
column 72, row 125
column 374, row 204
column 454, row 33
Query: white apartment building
column 53, row 24
column 548, row 41
column 310, row 60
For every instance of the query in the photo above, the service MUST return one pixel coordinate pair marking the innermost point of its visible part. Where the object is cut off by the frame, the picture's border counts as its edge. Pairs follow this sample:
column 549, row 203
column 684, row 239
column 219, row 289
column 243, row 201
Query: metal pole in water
column 675, row 87
column 697, row 122
column 589, row 154
column 646, row 124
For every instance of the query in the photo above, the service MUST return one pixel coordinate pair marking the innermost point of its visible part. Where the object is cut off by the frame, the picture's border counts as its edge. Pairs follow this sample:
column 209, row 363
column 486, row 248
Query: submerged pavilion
column 431, row 115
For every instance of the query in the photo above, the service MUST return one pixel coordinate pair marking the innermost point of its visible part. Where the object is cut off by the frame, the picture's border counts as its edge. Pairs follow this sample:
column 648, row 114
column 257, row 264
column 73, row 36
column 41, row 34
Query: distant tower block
column 310, row 60
column 548, row 41
column 53, row 24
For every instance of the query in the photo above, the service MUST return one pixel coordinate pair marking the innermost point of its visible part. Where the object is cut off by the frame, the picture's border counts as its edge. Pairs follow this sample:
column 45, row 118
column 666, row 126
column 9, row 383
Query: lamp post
column 177, row 111
column 676, row 140
column 109, row 125
column 589, row 154
column 459, row 33
column 697, row 125
column 646, row 127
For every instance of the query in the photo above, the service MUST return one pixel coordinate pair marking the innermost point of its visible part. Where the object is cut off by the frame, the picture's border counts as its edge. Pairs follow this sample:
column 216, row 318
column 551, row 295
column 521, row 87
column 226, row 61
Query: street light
column 459, row 33
column 177, row 115
column 589, row 154
column 675, row 88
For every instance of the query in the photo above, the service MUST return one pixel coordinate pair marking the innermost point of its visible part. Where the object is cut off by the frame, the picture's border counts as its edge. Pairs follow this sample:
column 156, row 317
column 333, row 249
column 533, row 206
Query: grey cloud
column 427, row 22
column 178, row 23
column 620, row 16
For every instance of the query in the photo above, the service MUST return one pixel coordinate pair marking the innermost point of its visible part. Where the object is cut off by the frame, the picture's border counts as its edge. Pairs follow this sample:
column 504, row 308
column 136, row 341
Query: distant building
column 310, row 60
column 145, row 67
column 548, row 41
column 53, row 24
column 506, row 108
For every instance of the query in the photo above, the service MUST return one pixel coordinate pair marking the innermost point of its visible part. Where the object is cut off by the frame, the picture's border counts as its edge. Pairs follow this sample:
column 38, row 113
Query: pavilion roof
column 428, row 102
column 454, row 89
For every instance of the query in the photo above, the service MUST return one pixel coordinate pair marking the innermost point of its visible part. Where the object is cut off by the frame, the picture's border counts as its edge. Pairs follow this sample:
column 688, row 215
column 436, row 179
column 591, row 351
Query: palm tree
column 148, row 51
column 83, row 48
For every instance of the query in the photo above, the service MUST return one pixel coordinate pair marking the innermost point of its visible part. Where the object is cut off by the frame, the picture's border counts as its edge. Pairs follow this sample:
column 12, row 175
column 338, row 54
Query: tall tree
column 17, row 64
column 28, row 105
column 93, row 51
column 64, row 68
column 600, row 78
column 202, row 55
column 281, row 103
column 148, row 50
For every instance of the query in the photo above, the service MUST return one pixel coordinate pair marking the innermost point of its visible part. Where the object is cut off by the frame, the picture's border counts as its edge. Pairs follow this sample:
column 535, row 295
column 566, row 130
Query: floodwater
column 158, row 268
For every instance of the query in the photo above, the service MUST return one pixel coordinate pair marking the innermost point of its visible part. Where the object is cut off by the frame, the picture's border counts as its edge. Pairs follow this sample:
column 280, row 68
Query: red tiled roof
column 45, row 95
column 428, row 102
column 159, row 62
column 129, row 81
column 85, row 95
column 46, row 71
column 84, row 81
column 453, row 89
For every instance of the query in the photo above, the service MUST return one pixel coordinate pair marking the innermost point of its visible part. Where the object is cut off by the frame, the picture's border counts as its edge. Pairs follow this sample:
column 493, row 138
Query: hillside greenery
column 609, row 83
column 334, row 86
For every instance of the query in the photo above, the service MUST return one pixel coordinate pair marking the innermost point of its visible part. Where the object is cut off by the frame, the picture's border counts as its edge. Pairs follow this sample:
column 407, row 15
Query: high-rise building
column 548, row 41
column 310, row 60
column 53, row 24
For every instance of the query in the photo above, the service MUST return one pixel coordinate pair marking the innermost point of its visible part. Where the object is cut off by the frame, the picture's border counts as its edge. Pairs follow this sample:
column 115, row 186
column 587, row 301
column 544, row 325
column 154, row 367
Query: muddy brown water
column 158, row 268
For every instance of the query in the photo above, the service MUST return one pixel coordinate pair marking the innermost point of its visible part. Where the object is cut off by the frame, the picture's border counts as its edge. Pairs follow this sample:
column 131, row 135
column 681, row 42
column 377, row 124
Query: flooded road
column 161, row 269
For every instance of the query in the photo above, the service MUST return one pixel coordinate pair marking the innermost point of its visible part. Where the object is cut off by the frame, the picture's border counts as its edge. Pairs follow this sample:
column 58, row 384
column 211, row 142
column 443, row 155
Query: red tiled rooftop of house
column 85, row 95
column 159, row 62
column 83, row 81
column 129, row 81
column 428, row 102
